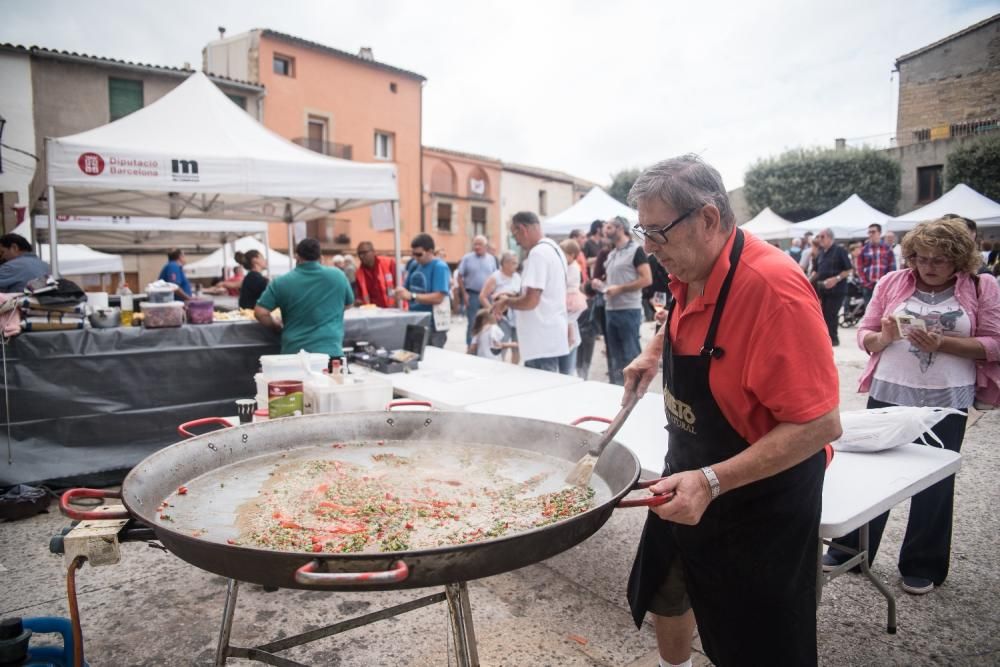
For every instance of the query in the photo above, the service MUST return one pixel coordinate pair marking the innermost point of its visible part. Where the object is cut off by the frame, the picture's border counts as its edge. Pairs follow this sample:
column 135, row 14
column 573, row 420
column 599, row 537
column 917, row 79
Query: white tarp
column 193, row 153
column 770, row 226
column 75, row 259
column 960, row 200
column 212, row 265
column 848, row 220
column 595, row 205
column 125, row 233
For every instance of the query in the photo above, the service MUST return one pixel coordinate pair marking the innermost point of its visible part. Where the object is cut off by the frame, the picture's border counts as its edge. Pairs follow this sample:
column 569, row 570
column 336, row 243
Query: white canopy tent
column 125, row 233
column 77, row 260
column 848, row 220
column 960, row 200
column 595, row 205
column 770, row 226
column 195, row 154
column 213, row 265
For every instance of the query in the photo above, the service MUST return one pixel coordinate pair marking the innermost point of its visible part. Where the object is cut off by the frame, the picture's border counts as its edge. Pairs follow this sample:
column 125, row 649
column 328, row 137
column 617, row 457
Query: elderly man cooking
column 750, row 394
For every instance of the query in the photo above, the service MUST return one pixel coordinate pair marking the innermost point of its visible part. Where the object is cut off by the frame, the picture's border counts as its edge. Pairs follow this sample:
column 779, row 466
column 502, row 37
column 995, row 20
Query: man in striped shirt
column 875, row 261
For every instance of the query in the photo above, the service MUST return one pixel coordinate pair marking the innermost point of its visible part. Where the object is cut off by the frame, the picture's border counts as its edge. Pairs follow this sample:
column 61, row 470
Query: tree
column 977, row 164
column 622, row 182
column 803, row 183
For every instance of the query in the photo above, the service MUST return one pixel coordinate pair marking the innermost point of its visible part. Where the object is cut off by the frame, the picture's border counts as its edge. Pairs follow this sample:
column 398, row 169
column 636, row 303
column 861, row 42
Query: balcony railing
column 342, row 151
column 954, row 130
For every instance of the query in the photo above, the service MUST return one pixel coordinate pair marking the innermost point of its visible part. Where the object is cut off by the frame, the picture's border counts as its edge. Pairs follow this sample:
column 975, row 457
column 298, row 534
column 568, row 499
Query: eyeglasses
column 416, row 255
column 928, row 261
column 872, row 231
column 659, row 234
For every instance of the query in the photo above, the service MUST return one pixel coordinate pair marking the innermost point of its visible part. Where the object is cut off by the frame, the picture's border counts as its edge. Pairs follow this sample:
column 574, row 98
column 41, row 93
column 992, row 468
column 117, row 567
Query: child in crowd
column 487, row 336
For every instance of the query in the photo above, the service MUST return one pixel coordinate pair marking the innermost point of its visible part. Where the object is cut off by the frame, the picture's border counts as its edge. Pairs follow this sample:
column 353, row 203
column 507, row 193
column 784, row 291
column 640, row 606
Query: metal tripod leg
column 222, row 652
column 460, row 612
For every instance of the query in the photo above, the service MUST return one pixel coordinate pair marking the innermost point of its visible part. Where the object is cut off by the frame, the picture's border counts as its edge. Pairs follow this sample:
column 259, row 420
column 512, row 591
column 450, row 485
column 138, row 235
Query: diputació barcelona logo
column 91, row 164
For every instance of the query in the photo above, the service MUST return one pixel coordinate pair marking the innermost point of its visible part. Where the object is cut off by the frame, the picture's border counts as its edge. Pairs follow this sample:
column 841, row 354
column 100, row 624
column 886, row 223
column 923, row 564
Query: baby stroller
column 854, row 304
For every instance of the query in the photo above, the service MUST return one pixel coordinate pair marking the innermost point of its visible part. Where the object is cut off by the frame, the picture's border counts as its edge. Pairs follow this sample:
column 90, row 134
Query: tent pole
column 291, row 245
column 53, row 241
column 395, row 242
column 267, row 251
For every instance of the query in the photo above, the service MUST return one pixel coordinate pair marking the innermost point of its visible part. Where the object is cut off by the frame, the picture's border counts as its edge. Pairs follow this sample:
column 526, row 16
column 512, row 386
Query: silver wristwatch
column 713, row 481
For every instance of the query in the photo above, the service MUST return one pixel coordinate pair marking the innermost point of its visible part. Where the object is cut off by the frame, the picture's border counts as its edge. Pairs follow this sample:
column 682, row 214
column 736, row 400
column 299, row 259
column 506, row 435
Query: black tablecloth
column 86, row 405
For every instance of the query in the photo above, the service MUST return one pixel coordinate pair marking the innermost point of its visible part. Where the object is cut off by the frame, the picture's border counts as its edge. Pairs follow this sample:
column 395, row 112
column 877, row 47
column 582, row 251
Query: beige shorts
column 671, row 598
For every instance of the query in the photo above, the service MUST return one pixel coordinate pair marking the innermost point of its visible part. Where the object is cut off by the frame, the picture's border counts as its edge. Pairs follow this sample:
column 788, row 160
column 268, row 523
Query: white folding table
column 860, row 487
column 643, row 432
column 452, row 381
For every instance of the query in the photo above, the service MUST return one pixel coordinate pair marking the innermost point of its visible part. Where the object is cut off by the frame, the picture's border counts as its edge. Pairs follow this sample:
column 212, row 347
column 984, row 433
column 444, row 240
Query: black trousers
column 926, row 549
column 831, row 303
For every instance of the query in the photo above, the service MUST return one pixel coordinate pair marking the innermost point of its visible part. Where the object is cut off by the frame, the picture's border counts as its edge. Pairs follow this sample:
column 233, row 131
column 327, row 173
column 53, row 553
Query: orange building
column 340, row 104
column 461, row 200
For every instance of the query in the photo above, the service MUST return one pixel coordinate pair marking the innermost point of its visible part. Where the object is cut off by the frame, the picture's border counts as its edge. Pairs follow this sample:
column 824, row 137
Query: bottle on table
column 125, row 296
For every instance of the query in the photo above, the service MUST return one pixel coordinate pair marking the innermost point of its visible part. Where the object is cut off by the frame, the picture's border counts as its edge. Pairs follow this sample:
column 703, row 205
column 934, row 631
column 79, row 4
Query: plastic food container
column 355, row 393
column 200, row 311
column 290, row 366
column 159, row 315
column 159, row 294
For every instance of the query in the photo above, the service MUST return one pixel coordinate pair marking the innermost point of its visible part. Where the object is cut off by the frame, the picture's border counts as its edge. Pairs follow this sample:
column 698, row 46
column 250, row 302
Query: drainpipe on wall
column 420, row 170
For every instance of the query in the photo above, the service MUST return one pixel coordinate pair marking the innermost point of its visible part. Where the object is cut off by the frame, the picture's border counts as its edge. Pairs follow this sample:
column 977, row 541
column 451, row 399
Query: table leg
column 866, row 570
column 460, row 612
column 819, row 571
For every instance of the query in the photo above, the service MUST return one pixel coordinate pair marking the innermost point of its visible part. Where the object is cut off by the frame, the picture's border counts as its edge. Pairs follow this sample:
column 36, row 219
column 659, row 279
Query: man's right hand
column 641, row 371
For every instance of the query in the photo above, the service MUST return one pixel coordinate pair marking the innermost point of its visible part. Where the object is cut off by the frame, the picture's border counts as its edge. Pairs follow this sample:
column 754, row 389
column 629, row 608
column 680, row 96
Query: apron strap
column 709, row 349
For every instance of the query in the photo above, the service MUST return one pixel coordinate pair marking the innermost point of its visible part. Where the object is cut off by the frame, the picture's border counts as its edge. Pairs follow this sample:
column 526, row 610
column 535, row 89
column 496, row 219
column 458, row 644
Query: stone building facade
column 949, row 94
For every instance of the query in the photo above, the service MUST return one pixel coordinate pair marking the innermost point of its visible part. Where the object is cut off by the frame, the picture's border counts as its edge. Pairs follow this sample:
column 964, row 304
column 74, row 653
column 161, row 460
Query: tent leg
column 398, row 253
column 291, row 240
column 53, row 241
column 267, row 250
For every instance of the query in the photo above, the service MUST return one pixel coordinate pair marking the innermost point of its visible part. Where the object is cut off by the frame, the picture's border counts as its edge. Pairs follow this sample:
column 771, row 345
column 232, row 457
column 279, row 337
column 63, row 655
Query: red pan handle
column 580, row 420
column 308, row 575
column 404, row 403
column 183, row 428
column 65, row 504
column 651, row 501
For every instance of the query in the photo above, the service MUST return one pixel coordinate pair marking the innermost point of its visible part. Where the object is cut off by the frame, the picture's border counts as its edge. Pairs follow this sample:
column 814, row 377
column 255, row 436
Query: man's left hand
column 613, row 290
column 403, row 294
column 692, row 494
column 829, row 283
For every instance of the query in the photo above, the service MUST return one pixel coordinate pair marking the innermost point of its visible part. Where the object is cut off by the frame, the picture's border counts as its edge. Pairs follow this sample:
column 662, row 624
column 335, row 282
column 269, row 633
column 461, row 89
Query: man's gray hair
column 829, row 232
column 684, row 183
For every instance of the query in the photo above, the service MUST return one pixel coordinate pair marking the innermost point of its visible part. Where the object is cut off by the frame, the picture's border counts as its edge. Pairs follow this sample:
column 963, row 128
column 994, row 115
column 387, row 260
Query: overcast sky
column 585, row 87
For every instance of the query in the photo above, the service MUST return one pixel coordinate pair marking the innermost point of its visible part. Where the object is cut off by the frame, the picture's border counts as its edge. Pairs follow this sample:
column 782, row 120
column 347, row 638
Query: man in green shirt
column 312, row 299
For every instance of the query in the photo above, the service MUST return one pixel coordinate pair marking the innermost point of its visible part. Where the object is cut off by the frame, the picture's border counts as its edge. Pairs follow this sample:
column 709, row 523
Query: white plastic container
column 292, row 366
column 157, row 315
column 357, row 393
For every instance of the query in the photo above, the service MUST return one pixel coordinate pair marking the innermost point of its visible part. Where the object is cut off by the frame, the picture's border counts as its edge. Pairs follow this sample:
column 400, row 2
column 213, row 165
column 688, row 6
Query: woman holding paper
column 933, row 333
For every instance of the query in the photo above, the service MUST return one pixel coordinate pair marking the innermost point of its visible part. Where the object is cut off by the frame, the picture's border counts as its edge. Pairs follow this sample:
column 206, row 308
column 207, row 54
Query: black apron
column 750, row 563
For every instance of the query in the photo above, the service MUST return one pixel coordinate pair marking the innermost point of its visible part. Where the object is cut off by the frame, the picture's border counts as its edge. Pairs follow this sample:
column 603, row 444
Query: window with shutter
column 124, row 97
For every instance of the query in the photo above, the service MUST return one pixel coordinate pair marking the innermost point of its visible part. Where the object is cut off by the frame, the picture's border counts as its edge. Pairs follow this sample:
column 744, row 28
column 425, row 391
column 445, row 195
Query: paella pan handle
column 308, row 575
column 402, row 404
column 65, row 504
column 654, row 500
column 183, row 428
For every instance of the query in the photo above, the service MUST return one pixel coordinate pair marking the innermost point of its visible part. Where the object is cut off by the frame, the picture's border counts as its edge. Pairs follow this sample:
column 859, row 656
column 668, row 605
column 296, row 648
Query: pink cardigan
column 984, row 314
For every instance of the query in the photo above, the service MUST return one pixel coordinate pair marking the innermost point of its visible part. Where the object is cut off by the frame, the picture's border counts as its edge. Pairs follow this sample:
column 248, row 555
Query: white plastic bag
column 884, row 428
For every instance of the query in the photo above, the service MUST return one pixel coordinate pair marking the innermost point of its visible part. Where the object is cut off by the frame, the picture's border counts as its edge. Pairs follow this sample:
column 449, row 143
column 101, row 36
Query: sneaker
column 917, row 585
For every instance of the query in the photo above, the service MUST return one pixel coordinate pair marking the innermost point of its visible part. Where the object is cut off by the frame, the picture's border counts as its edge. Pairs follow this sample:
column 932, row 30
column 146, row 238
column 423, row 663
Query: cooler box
column 357, row 393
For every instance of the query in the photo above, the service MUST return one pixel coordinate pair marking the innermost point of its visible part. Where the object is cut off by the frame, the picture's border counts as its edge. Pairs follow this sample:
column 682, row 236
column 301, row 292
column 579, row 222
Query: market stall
column 595, row 205
column 94, row 402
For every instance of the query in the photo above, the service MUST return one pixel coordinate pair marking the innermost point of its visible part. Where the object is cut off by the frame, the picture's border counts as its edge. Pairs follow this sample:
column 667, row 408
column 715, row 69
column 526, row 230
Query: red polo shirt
column 778, row 364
